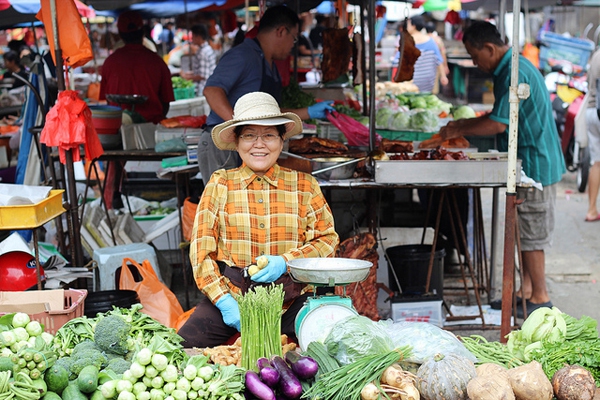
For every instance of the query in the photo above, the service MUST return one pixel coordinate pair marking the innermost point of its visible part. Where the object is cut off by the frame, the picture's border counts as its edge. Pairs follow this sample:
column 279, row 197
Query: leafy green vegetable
column 355, row 337
column 463, row 111
column 351, row 112
column 294, row 97
column 180, row 83
column 554, row 356
column 418, row 102
column 426, row 121
column 382, row 118
column 400, row 121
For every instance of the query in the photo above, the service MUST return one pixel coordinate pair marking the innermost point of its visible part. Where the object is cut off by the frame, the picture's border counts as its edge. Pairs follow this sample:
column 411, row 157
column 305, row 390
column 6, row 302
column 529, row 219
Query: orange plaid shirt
column 242, row 216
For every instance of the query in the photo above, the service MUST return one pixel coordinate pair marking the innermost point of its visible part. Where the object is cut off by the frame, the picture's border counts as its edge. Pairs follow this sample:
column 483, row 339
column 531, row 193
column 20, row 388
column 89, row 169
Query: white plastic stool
column 109, row 259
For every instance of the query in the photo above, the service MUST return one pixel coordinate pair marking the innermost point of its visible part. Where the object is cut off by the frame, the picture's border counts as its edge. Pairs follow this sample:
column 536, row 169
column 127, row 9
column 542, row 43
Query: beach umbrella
column 17, row 12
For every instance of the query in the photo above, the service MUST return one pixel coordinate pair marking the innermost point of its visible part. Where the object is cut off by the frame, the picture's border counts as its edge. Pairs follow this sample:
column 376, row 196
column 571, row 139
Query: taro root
column 573, row 382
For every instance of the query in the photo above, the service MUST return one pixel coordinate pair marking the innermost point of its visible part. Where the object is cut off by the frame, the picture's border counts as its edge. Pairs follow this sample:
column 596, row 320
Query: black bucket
column 104, row 300
column 409, row 264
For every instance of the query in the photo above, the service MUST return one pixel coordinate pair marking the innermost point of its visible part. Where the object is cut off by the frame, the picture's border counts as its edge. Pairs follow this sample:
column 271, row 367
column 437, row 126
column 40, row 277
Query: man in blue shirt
column 538, row 149
column 249, row 67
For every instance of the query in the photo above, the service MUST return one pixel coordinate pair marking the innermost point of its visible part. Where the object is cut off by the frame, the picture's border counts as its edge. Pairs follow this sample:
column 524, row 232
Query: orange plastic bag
column 73, row 39
column 158, row 300
column 93, row 91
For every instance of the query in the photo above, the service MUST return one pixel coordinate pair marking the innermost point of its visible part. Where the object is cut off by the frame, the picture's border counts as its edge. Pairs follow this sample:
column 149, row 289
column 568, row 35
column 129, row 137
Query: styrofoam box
column 162, row 134
column 419, row 311
column 194, row 107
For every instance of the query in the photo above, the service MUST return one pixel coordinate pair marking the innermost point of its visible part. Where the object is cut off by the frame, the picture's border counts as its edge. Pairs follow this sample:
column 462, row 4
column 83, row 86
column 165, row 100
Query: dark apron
column 270, row 83
column 241, row 279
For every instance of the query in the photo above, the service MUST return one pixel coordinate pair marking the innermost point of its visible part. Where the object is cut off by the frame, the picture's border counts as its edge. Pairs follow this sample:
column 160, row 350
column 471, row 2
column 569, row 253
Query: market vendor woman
column 256, row 209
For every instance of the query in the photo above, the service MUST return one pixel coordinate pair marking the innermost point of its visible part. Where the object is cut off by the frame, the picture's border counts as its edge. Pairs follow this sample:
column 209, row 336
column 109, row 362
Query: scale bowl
column 329, row 271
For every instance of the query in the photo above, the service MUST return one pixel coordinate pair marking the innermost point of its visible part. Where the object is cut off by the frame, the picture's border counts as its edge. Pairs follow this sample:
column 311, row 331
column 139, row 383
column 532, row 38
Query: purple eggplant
column 289, row 384
column 270, row 376
column 263, row 362
column 255, row 386
column 303, row 367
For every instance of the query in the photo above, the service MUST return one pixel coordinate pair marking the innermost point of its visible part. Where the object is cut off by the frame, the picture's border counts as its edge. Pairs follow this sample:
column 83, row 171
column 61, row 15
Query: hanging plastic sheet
column 69, row 125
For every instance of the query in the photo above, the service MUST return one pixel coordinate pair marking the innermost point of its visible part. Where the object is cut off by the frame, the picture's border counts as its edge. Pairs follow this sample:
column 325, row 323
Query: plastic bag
column 74, row 42
column 356, row 337
column 356, row 133
column 426, row 340
column 158, row 300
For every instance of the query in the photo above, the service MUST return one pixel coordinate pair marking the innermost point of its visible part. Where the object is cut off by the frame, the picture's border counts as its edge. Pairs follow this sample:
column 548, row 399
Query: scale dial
column 317, row 323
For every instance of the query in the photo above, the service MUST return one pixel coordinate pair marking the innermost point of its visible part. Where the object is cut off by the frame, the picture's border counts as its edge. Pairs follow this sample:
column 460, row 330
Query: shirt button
column 262, row 225
column 260, row 200
column 262, row 253
column 259, row 179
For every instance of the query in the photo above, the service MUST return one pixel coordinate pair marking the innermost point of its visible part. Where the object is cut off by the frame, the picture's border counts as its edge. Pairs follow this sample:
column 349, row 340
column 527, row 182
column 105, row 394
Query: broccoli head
column 85, row 345
column 111, row 334
column 66, row 362
column 118, row 365
column 87, row 356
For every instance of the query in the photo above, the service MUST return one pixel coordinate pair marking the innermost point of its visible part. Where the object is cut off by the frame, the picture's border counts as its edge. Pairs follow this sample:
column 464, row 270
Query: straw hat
column 255, row 108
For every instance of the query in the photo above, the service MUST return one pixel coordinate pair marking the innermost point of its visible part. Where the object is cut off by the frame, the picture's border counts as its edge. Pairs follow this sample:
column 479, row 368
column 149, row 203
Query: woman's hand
column 274, row 269
column 230, row 311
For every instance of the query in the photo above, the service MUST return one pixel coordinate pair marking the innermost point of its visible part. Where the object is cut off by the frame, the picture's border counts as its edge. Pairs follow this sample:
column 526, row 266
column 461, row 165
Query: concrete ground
column 572, row 264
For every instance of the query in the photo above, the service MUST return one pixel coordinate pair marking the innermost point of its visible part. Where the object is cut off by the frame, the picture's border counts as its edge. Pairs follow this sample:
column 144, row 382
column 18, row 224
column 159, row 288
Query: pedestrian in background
column 593, row 130
column 204, row 58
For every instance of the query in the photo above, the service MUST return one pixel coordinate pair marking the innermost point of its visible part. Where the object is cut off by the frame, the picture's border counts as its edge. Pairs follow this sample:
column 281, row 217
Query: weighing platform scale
column 320, row 312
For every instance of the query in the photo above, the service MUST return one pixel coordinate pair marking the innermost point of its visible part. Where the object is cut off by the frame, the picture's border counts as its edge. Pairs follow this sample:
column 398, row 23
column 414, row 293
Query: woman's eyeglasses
column 251, row 137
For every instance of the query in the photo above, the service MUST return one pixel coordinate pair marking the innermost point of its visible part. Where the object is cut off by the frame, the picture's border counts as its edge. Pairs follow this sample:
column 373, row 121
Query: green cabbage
column 461, row 112
column 426, row 121
column 382, row 118
column 418, row 102
column 400, row 121
column 355, row 337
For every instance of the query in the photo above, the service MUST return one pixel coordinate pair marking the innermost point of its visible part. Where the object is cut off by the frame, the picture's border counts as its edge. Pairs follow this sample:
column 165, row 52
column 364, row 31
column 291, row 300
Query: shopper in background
column 316, row 33
column 204, row 58
column 538, row 149
column 12, row 63
column 249, row 67
column 430, row 28
column 593, row 128
column 257, row 209
column 430, row 62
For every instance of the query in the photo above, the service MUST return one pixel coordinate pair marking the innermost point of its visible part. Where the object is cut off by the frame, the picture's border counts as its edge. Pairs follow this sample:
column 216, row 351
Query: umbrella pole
column 515, row 94
column 76, row 253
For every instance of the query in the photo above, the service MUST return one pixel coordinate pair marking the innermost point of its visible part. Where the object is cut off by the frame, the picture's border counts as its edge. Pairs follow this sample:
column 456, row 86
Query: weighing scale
column 320, row 312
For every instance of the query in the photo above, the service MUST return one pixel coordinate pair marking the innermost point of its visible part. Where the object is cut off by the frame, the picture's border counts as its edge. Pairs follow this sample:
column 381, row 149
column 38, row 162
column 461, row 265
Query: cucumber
column 87, row 381
column 56, row 378
column 51, row 396
column 6, row 364
column 72, row 392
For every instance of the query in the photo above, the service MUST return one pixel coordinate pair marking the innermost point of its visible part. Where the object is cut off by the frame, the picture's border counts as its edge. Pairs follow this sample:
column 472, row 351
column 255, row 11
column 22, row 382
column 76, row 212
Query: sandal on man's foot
column 497, row 304
column 531, row 307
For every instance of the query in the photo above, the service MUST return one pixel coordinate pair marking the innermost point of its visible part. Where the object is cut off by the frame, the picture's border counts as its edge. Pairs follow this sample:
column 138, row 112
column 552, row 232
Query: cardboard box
column 33, row 301
column 487, row 98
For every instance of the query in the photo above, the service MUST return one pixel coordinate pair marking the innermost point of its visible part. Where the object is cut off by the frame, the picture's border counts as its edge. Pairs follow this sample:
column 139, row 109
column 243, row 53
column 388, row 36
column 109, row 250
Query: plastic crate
column 73, row 307
column 184, row 93
column 557, row 47
column 32, row 215
column 327, row 130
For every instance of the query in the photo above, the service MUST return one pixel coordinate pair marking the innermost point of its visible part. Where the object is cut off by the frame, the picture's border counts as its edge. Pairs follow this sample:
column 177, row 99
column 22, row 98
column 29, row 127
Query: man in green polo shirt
column 538, row 149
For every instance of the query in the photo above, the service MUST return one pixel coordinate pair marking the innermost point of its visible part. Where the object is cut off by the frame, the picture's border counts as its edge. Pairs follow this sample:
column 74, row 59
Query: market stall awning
column 163, row 9
column 16, row 12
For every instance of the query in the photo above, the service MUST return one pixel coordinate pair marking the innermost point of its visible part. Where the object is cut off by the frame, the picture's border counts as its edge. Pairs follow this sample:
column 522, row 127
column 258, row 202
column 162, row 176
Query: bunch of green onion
column 260, row 320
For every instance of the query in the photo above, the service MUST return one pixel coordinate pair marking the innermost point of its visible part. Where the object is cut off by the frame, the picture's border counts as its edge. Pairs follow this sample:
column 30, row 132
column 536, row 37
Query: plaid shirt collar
column 248, row 176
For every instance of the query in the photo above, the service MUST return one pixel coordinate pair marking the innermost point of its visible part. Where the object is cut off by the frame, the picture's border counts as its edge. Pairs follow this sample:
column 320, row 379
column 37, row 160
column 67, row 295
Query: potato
column 490, row 387
column 573, row 382
column 492, row 369
column 530, row 383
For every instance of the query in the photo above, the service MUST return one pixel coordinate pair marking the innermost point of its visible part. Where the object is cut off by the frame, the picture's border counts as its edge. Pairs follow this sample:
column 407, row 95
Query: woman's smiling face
column 259, row 147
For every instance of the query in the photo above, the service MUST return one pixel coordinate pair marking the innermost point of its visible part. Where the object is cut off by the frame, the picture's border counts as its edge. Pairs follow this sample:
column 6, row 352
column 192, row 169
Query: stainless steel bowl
column 329, row 271
column 341, row 172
